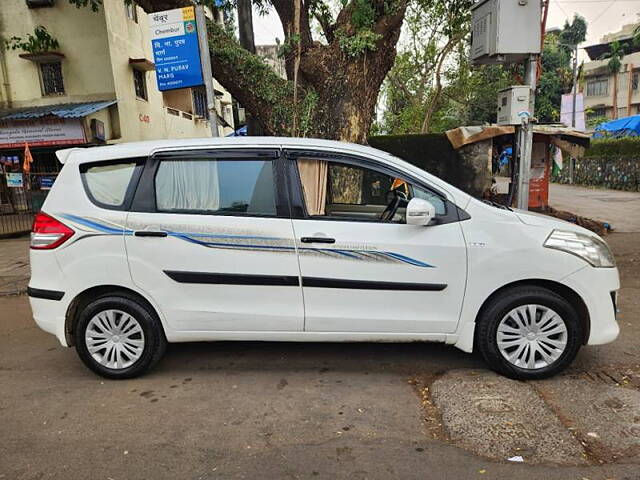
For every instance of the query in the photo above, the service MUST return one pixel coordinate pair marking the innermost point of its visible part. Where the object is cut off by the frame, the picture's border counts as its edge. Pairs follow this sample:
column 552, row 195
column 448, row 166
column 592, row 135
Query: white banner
column 566, row 111
column 41, row 132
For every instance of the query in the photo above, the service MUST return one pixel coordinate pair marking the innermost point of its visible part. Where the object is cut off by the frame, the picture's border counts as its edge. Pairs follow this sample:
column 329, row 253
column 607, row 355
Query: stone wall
column 608, row 163
column 469, row 168
column 622, row 173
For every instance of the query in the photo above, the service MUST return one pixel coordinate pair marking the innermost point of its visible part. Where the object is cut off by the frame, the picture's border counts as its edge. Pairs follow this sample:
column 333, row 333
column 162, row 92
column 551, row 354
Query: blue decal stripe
column 406, row 259
column 211, row 235
column 189, row 237
column 98, row 226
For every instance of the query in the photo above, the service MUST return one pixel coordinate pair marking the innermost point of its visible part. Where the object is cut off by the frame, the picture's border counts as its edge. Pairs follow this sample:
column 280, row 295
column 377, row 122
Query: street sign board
column 14, row 180
column 40, row 132
column 174, row 40
column 46, row 183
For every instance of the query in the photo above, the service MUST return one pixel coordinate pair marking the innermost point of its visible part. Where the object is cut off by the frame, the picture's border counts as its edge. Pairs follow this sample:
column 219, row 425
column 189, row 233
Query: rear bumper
column 595, row 286
column 49, row 315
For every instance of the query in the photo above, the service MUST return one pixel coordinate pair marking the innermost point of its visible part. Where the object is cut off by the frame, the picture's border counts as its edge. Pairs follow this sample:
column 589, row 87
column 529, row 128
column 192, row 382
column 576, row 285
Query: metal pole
column 207, row 75
column 525, row 133
column 575, row 84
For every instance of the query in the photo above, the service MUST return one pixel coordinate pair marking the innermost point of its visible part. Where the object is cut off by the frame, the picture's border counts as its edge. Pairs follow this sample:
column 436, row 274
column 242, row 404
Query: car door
column 361, row 274
column 210, row 240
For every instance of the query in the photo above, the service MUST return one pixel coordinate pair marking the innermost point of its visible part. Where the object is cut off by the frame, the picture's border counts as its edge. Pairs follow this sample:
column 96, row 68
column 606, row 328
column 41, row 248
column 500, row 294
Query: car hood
column 540, row 220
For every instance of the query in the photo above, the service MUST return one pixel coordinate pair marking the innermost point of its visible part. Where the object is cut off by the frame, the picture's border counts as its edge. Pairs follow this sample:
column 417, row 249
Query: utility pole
column 207, row 74
column 575, row 84
column 525, row 136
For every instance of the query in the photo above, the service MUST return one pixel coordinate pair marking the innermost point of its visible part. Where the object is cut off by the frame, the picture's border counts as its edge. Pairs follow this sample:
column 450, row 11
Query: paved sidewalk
column 14, row 265
column 618, row 208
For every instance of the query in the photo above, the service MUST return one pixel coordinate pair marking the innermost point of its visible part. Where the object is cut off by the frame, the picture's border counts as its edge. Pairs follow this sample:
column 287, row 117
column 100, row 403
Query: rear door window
column 216, row 187
column 107, row 184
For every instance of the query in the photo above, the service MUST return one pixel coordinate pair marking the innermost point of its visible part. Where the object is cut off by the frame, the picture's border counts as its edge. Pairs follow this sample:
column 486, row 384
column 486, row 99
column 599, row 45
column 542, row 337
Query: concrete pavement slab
column 502, row 418
column 606, row 417
column 14, row 265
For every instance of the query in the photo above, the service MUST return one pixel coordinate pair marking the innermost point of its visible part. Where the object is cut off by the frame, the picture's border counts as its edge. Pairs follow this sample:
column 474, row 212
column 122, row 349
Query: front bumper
column 597, row 287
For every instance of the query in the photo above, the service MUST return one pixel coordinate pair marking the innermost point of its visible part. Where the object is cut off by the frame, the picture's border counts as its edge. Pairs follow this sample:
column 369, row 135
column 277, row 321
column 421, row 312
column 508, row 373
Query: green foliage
column 363, row 14
column 39, row 41
column 358, row 43
column 614, row 148
column 574, row 33
column 615, row 56
column 468, row 95
column 94, row 4
column 594, row 121
column 268, row 88
column 557, row 68
column 360, row 38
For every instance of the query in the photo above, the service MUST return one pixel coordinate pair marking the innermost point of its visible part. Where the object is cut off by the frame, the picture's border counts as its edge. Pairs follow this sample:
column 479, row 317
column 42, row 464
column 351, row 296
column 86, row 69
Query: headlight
column 587, row 247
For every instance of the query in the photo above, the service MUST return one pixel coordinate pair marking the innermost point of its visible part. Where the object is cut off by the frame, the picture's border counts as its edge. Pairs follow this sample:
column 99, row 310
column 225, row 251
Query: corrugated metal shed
column 65, row 110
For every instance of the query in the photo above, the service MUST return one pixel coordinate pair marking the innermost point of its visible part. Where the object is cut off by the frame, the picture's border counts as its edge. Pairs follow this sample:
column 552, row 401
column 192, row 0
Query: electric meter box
column 513, row 103
column 505, row 31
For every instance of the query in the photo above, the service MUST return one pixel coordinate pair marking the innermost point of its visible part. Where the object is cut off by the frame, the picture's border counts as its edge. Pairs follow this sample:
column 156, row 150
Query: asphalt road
column 618, row 208
column 276, row 410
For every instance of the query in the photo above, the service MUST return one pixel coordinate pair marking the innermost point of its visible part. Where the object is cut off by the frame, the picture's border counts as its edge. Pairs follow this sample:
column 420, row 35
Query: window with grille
column 598, row 87
column 51, row 78
column 140, row 83
column 200, row 102
column 634, row 80
column 132, row 13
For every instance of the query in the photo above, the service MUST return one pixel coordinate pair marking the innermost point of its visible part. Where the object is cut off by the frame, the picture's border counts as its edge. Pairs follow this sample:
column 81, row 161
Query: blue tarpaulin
column 622, row 127
column 241, row 132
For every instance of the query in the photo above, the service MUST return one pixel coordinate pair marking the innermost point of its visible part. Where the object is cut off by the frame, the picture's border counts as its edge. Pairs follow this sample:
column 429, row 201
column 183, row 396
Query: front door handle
column 149, row 233
column 317, row 240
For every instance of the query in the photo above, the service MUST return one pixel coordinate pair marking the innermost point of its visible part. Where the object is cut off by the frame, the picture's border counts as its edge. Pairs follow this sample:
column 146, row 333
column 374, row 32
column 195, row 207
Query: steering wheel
column 396, row 201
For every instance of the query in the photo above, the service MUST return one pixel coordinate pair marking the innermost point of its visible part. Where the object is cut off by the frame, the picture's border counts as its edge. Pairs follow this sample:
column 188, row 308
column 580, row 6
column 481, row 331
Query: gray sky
column 603, row 16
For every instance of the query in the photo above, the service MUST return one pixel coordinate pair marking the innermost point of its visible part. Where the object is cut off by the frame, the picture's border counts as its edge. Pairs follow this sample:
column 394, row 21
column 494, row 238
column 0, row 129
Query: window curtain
column 188, row 185
column 313, row 174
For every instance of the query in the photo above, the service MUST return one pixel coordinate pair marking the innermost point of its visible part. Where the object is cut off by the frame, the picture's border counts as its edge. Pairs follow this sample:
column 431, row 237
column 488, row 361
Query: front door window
column 343, row 191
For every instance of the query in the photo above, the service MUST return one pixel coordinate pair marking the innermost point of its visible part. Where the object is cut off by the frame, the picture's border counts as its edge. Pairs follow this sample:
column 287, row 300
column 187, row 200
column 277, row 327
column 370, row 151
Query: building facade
column 607, row 94
column 91, row 81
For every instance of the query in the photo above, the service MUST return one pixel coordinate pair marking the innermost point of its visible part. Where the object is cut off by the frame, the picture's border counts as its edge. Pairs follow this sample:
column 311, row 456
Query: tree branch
column 433, row 101
column 252, row 82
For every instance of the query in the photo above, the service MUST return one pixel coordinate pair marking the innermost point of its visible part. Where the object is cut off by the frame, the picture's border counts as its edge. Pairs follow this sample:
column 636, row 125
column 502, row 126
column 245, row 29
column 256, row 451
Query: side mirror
column 420, row 212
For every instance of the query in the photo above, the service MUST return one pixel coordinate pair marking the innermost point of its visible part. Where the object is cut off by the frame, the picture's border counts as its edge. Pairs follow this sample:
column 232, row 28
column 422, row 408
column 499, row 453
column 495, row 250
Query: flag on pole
column 28, row 159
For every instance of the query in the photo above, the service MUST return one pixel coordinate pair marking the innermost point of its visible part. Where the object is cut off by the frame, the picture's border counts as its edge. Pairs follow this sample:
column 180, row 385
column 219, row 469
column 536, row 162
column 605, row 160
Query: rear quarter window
column 108, row 185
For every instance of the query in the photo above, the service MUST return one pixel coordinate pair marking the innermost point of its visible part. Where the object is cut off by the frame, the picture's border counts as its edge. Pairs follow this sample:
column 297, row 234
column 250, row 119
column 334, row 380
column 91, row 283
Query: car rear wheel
column 118, row 337
column 529, row 333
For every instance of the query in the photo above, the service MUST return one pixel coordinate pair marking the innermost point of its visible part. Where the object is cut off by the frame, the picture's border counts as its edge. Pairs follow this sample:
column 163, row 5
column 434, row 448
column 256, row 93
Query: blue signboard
column 46, row 183
column 176, row 53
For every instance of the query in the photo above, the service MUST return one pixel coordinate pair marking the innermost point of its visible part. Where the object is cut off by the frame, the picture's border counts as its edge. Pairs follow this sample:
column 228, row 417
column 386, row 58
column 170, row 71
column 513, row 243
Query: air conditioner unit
column 40, row 3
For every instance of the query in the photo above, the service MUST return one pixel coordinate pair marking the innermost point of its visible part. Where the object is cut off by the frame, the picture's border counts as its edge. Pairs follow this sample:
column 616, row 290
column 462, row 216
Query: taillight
column 48, row 233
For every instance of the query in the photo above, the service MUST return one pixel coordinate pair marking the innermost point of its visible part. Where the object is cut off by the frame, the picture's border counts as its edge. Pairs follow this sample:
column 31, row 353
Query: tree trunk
column 337, row 90
column 245, row 25
column 247, row 41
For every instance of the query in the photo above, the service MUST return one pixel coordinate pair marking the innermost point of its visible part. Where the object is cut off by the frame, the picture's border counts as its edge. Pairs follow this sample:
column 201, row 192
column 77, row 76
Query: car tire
column 119, row 337
column 509, row 353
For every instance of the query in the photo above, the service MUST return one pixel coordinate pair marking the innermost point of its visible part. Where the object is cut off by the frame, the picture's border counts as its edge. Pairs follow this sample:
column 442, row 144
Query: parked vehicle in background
column 291, row 239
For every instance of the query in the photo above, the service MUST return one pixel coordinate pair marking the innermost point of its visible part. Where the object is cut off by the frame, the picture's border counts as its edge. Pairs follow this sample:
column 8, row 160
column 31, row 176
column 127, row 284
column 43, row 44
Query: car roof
column 146, row 148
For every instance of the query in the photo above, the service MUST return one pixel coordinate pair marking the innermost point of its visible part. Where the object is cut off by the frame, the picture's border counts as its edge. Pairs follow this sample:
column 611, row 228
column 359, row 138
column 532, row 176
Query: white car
column 304, row 240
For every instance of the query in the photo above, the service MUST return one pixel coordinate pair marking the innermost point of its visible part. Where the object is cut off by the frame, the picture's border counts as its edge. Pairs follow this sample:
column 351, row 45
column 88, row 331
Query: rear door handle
column 149, row 233
column 317, row 240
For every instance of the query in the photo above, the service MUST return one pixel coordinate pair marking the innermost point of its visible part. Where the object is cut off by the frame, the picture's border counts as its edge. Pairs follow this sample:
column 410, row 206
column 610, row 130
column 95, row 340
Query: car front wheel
column 529, row 333
column 118, row 337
